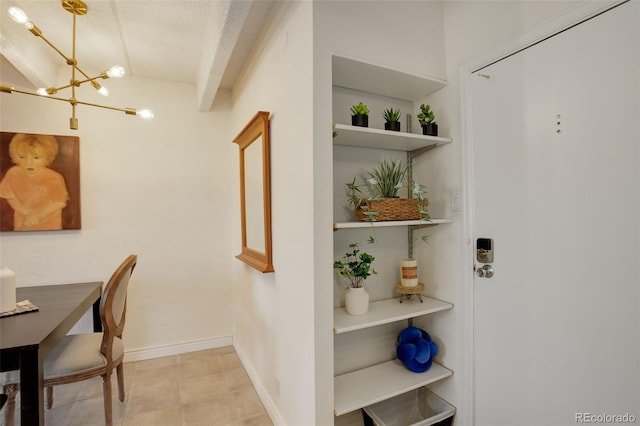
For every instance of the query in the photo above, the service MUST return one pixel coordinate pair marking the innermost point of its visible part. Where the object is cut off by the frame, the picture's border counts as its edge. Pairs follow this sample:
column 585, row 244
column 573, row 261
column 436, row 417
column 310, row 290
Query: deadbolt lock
column 484, row 250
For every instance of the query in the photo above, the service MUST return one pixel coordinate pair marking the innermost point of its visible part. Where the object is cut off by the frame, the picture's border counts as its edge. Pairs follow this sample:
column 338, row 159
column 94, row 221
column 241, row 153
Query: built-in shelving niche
column 357, row 389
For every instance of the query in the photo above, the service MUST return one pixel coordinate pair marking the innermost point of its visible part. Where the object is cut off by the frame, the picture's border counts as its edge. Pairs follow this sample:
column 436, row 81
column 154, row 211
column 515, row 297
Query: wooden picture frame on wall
column 255, row 193
column 39, row 182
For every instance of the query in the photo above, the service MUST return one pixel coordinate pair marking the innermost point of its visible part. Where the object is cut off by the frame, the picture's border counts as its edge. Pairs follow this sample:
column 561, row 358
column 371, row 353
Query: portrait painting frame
column 39, row 182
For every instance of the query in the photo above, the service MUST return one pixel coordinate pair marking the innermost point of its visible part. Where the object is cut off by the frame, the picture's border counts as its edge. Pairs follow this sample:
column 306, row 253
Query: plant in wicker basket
column 376, row 199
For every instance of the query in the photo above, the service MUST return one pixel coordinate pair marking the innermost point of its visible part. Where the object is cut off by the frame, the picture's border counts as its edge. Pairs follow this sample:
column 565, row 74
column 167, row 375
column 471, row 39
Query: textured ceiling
column 203, row 42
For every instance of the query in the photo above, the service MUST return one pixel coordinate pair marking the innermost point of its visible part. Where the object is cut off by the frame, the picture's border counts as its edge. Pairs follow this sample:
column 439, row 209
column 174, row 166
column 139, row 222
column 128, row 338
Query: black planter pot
column 430, row 129
column 392, row 125
column 360, row 120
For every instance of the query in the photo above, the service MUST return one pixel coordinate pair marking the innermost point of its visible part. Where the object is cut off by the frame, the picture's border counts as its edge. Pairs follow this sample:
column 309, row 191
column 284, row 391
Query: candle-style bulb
column 18, row 15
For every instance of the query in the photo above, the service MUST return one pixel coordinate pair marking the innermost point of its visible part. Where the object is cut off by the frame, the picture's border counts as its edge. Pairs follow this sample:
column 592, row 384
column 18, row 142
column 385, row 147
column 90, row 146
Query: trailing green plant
column 391, row 115
column 419, row 193
column 354, row 193
column 357, row 199
column 359, row 109
column 426, row 115
column 355, row 266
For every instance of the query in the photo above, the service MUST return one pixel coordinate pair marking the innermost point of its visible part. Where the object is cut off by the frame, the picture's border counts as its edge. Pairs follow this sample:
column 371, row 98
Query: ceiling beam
column 35, row 67
column 218, row 49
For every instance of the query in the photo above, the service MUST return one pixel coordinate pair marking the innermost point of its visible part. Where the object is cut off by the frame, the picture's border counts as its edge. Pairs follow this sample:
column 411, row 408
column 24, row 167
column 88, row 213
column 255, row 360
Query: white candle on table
column 7, row 289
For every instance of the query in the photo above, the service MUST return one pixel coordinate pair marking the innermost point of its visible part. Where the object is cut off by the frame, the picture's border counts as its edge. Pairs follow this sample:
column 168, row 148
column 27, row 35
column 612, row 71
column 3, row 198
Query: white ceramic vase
column 356, row 301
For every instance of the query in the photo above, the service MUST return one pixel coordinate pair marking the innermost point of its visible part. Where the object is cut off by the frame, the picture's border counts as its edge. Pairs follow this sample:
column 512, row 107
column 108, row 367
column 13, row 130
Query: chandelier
column 78, row 76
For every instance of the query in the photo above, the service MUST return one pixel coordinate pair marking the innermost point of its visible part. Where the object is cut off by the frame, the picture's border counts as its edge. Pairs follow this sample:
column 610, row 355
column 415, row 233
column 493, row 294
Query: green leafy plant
column 385, row 181
column 355, row 266
column 426, row 115
column 391, row 115
column 360, row 109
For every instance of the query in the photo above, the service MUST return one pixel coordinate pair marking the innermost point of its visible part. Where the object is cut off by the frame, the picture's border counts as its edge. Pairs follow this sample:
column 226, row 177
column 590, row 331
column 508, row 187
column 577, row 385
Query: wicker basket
column 390, row 209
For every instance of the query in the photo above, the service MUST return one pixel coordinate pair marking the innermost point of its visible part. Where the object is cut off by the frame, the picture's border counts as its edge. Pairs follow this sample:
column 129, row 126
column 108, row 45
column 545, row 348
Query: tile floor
column 199, row 388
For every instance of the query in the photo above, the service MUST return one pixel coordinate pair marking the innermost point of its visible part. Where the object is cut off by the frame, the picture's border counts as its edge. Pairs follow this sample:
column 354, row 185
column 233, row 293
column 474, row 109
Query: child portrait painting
column 39, row 182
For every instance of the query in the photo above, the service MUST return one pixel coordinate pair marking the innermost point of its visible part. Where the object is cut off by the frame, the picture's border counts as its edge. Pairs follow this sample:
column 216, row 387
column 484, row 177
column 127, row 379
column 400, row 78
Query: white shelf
column 386, row 311
column 366, row 77
column 379, row 382
column 388, row 223
column 373, row 384
column 366, row 137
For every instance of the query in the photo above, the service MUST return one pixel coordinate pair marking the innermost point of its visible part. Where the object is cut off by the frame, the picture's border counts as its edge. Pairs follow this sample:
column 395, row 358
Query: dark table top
column 58, row 306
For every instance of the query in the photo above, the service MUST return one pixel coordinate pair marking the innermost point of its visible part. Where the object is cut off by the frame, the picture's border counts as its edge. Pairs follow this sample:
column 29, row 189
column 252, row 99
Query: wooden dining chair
column 83, row 356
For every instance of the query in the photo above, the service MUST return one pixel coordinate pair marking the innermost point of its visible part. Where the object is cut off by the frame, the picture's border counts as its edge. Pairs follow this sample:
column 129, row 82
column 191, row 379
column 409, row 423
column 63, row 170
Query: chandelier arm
column 68, row 60
column 81, row 72
column 130, row 111
column 89, row 79
column 57, row 89
column 101, row 75
column 25, row 92
column 77, row 83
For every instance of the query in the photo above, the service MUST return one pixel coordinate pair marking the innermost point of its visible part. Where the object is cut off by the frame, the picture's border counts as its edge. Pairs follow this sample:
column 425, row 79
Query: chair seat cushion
column 78, row 353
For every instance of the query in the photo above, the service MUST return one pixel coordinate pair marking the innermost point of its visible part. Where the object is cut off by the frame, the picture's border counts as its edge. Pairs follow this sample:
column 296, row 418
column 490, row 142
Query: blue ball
column 415, row 349
column 406, row 351
column 423, row 351
column 409, row 334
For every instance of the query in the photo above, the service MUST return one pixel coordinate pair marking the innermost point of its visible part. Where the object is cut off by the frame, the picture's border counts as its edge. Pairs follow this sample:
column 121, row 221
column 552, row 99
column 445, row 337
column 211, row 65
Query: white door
column 556, row 185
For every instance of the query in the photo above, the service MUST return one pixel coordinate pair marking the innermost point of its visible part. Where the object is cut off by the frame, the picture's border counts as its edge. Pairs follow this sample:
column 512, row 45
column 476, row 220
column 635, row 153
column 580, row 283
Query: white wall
column 274, row 312
column 399, row 34
column 157, row 188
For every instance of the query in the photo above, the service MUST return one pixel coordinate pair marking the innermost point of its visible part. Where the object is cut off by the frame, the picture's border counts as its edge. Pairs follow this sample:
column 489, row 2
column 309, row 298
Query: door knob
column 485, row 272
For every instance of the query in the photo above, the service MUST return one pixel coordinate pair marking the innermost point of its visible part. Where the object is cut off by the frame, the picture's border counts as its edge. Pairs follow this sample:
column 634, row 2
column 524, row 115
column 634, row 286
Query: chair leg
column 49, row 397
column 11, row 390
column 120, row 374
column 106, row 389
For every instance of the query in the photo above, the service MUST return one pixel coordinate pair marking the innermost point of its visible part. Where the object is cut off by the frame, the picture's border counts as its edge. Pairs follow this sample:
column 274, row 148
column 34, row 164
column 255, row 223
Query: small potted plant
column 392, row 119
column 360, row 115
column 356, row 267
column 427, row 120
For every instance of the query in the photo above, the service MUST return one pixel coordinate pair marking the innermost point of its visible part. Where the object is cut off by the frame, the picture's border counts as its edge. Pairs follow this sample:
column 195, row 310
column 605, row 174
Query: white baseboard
column 176, row 349
column 269, row 404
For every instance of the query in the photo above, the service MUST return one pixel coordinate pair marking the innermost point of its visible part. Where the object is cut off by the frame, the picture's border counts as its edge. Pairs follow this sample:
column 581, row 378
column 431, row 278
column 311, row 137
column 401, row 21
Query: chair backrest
column 113, row 306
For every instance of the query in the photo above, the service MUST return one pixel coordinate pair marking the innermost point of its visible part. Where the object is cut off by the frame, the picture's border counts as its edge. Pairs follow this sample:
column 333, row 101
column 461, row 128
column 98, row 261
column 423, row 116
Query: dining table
column 27, row 338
